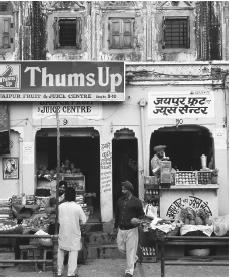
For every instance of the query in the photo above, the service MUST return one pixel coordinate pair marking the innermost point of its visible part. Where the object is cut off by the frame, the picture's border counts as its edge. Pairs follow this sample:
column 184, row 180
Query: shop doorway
column 80, row 147
column 185, row 145
column 125, row 161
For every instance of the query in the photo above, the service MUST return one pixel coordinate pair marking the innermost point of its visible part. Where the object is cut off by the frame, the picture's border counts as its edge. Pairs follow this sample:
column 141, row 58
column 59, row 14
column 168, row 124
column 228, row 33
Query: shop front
column 105, row 142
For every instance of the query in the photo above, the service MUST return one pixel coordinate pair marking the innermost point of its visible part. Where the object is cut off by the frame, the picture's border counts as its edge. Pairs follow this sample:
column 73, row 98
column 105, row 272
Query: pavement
column 116, row 267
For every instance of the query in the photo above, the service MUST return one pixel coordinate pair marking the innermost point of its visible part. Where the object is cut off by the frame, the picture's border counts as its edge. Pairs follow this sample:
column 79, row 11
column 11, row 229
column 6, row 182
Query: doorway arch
column 125, row 161
column 185, row 145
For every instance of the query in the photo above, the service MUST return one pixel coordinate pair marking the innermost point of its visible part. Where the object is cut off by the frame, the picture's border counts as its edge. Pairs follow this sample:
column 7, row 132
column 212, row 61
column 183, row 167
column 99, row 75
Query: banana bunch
column 188, row 215
column 203, row 216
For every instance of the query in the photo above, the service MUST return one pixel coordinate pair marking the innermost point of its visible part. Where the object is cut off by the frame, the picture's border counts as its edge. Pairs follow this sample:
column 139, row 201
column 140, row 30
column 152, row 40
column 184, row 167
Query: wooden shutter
column 115, row 31
column 78, row 32
column 127, row 32
column 163, row 32
column 6, row 33
column 188, row 32
column 56, row 32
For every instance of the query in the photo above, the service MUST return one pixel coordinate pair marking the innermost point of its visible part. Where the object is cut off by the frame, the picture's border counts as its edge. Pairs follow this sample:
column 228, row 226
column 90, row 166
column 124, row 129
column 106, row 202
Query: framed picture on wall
column 10, row 168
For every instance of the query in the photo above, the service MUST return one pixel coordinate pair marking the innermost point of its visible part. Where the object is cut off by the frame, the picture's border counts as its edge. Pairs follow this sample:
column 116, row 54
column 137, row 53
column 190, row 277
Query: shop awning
column 4, row 129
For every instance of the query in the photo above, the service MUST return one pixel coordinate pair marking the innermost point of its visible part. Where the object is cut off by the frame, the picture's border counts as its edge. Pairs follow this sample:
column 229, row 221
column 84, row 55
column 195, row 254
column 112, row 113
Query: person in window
column 129, row 212
column 70, row 216
column 157, row 158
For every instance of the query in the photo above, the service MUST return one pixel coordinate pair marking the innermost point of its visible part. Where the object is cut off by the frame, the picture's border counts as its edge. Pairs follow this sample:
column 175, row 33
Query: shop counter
column 196, row 196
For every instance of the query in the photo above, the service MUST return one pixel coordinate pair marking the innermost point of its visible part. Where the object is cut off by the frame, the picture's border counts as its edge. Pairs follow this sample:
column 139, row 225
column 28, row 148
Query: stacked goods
column 16, row 199
column 5, row 209
column 186, row 177
column 192, row 217
column 36, row 223
column 204, row 177
column 42, row 202
column 80, row 200
column 30, row 199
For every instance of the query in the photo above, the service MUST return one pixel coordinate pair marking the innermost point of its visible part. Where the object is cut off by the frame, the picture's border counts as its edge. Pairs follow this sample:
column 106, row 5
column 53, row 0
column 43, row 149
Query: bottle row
column 148, row 251
column 152, row 192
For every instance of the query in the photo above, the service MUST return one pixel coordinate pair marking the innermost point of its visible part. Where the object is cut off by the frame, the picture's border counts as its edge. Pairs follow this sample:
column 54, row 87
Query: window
column 5, row 32
column 176, row 32
column 121, row 33
column 67, row 32
column 3, row 7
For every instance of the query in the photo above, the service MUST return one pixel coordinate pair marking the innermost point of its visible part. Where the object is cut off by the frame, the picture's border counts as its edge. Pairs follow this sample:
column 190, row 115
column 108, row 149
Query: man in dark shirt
column 128, row 216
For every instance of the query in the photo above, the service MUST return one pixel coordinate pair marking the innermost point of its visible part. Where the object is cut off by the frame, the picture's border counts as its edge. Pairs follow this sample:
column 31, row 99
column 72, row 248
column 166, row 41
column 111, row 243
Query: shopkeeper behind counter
column 159, row 156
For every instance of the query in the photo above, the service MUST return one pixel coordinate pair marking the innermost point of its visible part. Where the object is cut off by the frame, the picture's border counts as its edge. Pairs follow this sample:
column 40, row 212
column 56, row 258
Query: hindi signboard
column 62, row 80
column 181, row 105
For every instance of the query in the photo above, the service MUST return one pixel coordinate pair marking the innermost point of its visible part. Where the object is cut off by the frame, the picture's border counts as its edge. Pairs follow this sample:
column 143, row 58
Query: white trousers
column 72, row 262
column 127, row 243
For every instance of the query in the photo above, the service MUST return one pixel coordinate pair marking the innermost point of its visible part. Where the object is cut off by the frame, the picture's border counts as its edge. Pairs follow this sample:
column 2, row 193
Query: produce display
column 191, row 217
column 185, row 177
column 9, row 226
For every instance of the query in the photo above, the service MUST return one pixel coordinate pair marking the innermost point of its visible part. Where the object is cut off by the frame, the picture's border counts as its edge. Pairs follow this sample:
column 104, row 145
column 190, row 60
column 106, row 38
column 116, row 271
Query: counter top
column 192, row 187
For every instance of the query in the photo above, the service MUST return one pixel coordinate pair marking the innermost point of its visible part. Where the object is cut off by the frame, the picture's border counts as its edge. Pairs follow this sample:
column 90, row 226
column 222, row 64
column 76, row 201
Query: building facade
column 176, row 71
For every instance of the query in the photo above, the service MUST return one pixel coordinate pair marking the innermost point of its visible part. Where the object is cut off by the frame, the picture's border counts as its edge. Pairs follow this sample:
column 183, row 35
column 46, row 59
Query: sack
column 150, row 211
column 221, row 225
column 44, row 241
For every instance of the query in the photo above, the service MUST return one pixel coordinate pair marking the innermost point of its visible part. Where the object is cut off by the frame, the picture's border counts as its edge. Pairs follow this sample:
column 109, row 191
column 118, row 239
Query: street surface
column 115, row 268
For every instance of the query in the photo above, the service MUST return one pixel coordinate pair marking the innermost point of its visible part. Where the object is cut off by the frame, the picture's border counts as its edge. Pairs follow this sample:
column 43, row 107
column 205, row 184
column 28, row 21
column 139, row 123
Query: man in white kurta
column 70, row 216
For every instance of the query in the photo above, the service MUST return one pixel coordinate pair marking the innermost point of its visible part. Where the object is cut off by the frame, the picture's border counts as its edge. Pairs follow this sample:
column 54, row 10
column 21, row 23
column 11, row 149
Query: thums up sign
column 62, row 80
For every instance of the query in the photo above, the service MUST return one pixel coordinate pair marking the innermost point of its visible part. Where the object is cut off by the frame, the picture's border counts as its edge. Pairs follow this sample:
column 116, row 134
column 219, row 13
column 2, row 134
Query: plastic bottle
column 203, row 159
column 23, row 199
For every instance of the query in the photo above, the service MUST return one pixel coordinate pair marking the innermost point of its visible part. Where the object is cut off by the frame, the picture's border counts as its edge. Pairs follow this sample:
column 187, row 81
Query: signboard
column 28, row 152
column 88, row 110
column 62, row 80
column 191, row 201
column 106, row 180
column 181, row 105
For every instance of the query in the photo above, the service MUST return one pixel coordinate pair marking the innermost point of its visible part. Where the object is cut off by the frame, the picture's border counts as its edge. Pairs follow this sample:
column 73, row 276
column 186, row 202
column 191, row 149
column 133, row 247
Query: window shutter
column 188, row 32
column 116, row 33
column 127, row 33
column 78, row 32
column 109, row 34
column 6, row 33
column 56, row 32
column 163, row 32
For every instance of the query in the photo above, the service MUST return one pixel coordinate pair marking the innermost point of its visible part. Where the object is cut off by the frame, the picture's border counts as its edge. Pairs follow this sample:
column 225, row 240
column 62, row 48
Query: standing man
column 128, row 214
column 156, row 160
column 70, row 216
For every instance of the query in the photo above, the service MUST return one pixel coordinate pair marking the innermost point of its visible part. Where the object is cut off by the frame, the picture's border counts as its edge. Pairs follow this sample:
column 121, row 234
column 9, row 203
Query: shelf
column 193, row 187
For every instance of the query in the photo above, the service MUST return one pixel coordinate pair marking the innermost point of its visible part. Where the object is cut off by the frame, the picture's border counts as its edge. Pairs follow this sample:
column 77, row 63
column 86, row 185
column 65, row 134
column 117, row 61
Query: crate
column 186, row 177
column 204, row 177
column 148, row 254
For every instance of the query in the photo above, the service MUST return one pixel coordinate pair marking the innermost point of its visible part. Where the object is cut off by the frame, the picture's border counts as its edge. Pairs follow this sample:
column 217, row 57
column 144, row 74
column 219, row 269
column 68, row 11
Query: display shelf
column 192, row 187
